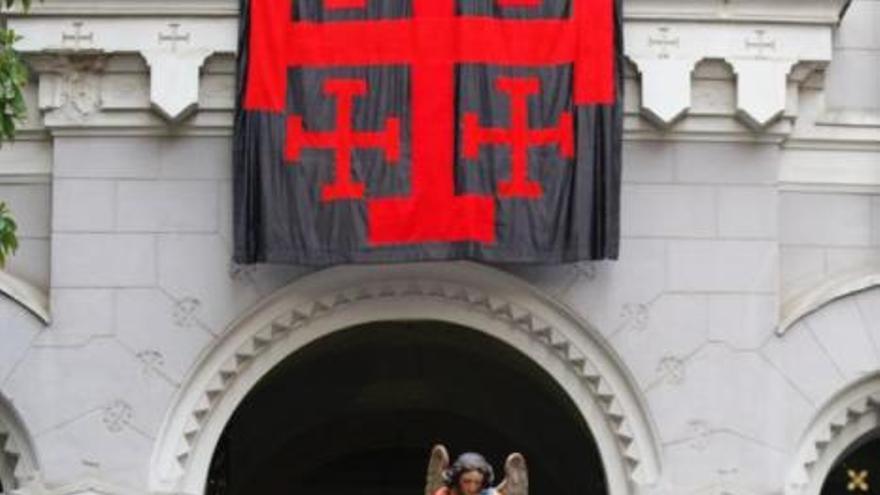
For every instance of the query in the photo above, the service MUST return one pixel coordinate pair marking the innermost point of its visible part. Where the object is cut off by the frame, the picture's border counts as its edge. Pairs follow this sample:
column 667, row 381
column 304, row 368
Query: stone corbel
column 69, row 89
column 762, row 57
column 175, row 49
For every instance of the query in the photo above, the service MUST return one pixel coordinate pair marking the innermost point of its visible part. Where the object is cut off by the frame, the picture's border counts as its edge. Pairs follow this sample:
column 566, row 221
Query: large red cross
column 430, row 43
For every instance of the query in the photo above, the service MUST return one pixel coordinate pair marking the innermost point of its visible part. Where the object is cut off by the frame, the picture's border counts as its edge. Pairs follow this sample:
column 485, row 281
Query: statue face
column 470, row 483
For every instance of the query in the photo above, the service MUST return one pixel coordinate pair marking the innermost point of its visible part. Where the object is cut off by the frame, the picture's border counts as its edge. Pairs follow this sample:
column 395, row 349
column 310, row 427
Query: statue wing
column 437, row 465
column 516, row 476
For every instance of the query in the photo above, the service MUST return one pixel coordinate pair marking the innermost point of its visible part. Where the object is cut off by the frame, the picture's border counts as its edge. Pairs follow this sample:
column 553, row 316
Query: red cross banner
column 409, row 130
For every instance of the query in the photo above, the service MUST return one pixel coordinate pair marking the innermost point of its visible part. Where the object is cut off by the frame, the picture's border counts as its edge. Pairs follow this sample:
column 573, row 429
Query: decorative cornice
column 146, row 8
column 175, row 49
column 777, row 11
column 748, row 11
column 762, row 56
column 772, row 49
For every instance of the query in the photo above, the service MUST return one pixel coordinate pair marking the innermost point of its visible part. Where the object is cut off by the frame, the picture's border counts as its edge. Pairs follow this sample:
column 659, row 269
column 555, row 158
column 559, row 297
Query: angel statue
column 470, row 474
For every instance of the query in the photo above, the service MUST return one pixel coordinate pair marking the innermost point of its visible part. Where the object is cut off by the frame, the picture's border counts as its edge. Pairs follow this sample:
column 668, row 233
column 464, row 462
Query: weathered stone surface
column 743, row 266
column 825, row 219
column 669, row 211
column 104, row 260
column 743, row 321
column 802, row 360
column 748, row 212
column 167, row 206
column 84, row 205
column 159, row 331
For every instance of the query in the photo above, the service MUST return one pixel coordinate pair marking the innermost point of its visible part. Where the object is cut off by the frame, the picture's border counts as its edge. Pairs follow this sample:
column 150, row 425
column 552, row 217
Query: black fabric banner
column 406, row 130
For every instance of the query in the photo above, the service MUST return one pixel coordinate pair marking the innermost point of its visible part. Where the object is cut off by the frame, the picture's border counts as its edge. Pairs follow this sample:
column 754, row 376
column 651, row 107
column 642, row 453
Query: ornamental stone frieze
column 762, row 58
column 174, row 49
column 770, row 50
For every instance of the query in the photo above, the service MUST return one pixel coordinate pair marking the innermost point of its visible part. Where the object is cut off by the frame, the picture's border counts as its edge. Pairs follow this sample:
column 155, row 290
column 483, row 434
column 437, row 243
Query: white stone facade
column 737, row 338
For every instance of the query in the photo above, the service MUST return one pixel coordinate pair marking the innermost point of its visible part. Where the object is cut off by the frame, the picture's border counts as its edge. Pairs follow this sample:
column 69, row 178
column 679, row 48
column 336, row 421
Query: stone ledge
column 777, row 11
column 763, row 11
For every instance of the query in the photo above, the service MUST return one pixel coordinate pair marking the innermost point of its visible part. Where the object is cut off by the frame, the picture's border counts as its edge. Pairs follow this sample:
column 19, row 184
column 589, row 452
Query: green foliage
column 11, row 3
column 13, row 78
column 8, row 237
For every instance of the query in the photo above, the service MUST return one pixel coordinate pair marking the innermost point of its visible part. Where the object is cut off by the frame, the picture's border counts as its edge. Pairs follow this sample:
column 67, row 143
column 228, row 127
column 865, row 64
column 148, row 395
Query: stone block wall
column 854, row 75
column 827, row 235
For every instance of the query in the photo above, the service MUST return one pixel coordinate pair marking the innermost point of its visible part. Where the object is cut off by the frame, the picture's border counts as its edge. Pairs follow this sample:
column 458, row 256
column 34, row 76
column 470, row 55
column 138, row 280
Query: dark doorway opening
column 358, row 412
column 857, row 471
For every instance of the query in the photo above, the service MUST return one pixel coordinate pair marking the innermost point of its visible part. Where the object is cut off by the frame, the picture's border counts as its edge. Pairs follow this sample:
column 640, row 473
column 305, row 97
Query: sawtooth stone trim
column 18, row 464
column 467, row 294
column 847, row 418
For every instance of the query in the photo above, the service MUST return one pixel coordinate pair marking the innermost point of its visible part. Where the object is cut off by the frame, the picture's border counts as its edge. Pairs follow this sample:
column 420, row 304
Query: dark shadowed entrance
column 857, row 470
column 357, row 413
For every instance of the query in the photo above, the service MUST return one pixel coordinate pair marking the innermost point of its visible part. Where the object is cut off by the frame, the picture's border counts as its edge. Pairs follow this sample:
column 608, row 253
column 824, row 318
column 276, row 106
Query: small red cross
column 430, row 43
column 518, row 137
column 343, row 140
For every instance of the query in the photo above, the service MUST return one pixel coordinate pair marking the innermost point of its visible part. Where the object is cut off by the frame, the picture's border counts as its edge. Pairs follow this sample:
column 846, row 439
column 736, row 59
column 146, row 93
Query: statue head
column 470, row 474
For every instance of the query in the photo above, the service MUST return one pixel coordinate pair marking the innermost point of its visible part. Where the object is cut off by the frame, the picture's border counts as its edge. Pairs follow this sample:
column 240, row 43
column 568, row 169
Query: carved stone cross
column 664, row 42
column 175, row 37
column 77, row 37
column 760, row 43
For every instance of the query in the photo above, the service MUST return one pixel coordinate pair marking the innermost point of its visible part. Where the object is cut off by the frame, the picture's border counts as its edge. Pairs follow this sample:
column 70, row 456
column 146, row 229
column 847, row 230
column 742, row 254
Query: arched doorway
column 357, row 412
column 844, row 435
column 475, row 297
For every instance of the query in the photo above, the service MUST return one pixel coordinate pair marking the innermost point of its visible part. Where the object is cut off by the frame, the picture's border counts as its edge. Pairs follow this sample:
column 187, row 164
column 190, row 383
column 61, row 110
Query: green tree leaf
column 8, row 234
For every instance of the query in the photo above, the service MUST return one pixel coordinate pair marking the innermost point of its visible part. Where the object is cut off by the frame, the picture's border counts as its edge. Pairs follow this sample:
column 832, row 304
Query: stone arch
column 832, row 290
column 466, row 294
column 18, row 464
column 845, row 419
column 26, row 296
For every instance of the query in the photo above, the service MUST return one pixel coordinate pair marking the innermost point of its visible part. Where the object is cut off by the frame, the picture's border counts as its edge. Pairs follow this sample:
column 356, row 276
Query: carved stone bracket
column 762, row 57
column 70, row 85
column 174, row 48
